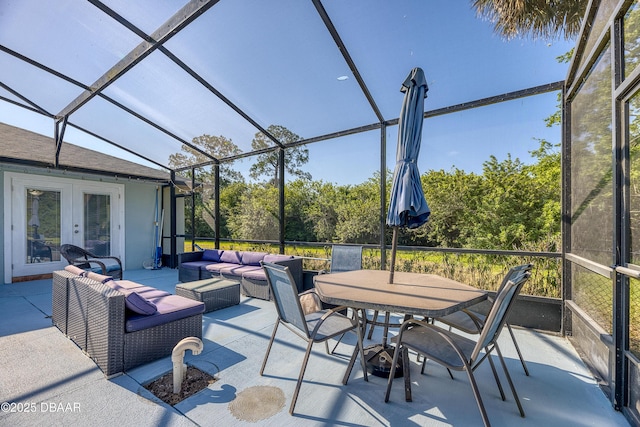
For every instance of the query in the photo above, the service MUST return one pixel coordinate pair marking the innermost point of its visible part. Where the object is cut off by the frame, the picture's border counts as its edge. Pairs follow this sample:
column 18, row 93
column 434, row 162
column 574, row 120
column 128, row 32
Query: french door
column 45, row 212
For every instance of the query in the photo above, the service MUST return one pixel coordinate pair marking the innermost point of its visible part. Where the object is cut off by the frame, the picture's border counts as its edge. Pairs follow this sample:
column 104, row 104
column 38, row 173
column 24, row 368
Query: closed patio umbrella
column 407, row 205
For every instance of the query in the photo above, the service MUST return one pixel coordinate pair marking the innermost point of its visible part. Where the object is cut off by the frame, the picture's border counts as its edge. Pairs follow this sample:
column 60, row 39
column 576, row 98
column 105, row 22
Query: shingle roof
column 23, row 146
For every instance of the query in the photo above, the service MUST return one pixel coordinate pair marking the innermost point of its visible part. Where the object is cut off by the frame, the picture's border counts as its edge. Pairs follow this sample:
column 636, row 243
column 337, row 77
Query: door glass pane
column 97, row 223
column 43, row 225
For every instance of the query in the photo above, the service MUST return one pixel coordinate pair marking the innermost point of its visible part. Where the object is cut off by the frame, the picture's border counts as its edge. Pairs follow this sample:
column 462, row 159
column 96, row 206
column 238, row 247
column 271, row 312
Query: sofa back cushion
column 233, row 257
column 75, row 270
column 212, row 255
column 276, row 257
column 99, row 277
column 123, row 285
column 253, row 258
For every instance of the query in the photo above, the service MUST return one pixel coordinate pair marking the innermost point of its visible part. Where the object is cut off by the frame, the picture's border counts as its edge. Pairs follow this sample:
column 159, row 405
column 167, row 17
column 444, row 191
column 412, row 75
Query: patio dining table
column 413, row 294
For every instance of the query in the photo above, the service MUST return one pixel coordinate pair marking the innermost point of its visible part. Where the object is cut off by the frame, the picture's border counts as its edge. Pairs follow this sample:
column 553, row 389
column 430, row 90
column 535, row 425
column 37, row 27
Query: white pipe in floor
column 177, row 357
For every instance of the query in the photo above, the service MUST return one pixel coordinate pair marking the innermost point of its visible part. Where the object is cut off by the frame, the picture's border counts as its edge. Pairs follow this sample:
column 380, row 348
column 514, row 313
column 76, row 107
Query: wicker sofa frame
column 251, row 287
column 60, row 299
column 95, row 321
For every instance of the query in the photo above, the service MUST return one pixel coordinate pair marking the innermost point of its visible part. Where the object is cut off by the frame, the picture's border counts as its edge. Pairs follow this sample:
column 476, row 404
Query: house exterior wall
column 139, row 220
column 139, row 214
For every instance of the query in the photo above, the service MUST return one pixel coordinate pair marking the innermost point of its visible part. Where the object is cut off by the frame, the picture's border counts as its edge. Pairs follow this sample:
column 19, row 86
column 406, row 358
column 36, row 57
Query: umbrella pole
column 394, row 246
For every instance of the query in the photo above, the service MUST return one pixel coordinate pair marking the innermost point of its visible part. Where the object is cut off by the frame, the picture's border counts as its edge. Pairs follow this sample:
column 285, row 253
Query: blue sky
column 277, row 62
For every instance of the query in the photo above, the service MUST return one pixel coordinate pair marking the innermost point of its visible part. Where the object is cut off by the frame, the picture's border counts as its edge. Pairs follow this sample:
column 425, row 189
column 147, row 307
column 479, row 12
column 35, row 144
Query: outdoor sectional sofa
column 121, row 324
column 236, row 265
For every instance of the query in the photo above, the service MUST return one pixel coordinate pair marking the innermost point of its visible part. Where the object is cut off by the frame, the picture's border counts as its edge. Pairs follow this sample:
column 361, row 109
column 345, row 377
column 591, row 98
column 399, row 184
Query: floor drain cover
column 257, row 403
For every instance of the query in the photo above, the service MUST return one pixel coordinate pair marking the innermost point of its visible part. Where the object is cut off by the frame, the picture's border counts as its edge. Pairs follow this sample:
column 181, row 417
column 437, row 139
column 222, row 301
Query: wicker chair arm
column 190, row 256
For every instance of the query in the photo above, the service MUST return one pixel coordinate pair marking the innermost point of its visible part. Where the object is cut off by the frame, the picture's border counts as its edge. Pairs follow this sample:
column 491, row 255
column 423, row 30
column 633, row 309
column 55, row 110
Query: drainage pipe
column 177, row 358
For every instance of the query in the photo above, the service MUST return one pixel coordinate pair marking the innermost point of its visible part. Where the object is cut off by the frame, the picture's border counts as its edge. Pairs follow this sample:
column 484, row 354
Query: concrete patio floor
column 46, row 379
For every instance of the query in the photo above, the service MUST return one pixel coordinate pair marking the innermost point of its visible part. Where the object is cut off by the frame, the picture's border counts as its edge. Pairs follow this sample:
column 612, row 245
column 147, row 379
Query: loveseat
column 121, row 324
column 236, row 265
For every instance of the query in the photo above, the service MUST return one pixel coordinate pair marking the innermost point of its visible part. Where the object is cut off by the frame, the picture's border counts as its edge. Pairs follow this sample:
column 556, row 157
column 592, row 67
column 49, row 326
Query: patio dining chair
column 345, row 258
column 471, row 320
column 457, row 352
column 316, row 327
column 104, row 264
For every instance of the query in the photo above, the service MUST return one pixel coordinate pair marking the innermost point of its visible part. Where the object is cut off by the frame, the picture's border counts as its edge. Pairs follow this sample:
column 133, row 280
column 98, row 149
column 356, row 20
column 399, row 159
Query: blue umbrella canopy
column 407, row 205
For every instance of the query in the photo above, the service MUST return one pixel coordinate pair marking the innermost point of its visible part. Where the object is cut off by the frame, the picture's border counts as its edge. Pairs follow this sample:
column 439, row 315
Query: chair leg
column 355, row 316
column 359, row 348
column 335, row 346
column 476, row 394
column 515, row 343
column 495, row 374
column 294, row 398
column 424, row 364
column 392, row 373
column 266, row 355
column 374, row 319
column 406, row 372
column 513, row 387
column 407, row 375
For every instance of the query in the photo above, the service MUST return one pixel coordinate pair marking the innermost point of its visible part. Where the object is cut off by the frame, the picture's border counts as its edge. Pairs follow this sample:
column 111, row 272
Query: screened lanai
column 262, row 109
column 206, row 88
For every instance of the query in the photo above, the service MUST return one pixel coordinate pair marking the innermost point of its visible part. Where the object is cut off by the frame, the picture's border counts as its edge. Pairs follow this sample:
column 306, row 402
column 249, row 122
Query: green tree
column 358, row 212
column 267, row 163
column 298, row 225
column 537, row 18
column 231, row 198
column 217, row 146
column 321, row 211
column 257, row 215
column 453, row 198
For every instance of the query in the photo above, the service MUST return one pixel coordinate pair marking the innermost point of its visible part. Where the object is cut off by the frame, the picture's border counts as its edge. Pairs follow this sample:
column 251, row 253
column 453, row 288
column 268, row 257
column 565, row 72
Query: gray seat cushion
column 239, row 270
column 217, row 266
column 257, row 274
column 168, row 309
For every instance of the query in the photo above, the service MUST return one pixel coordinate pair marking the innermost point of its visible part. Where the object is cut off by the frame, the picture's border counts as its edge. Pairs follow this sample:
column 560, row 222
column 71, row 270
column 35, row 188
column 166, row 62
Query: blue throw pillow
column 139, row 304
column 212, row 255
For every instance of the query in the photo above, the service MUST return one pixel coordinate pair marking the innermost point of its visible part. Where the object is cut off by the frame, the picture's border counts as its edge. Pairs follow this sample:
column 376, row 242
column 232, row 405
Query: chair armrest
column 310, row 301
column 84, row 263
column 478, row 322
column 190, row 256
column 105, row 257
